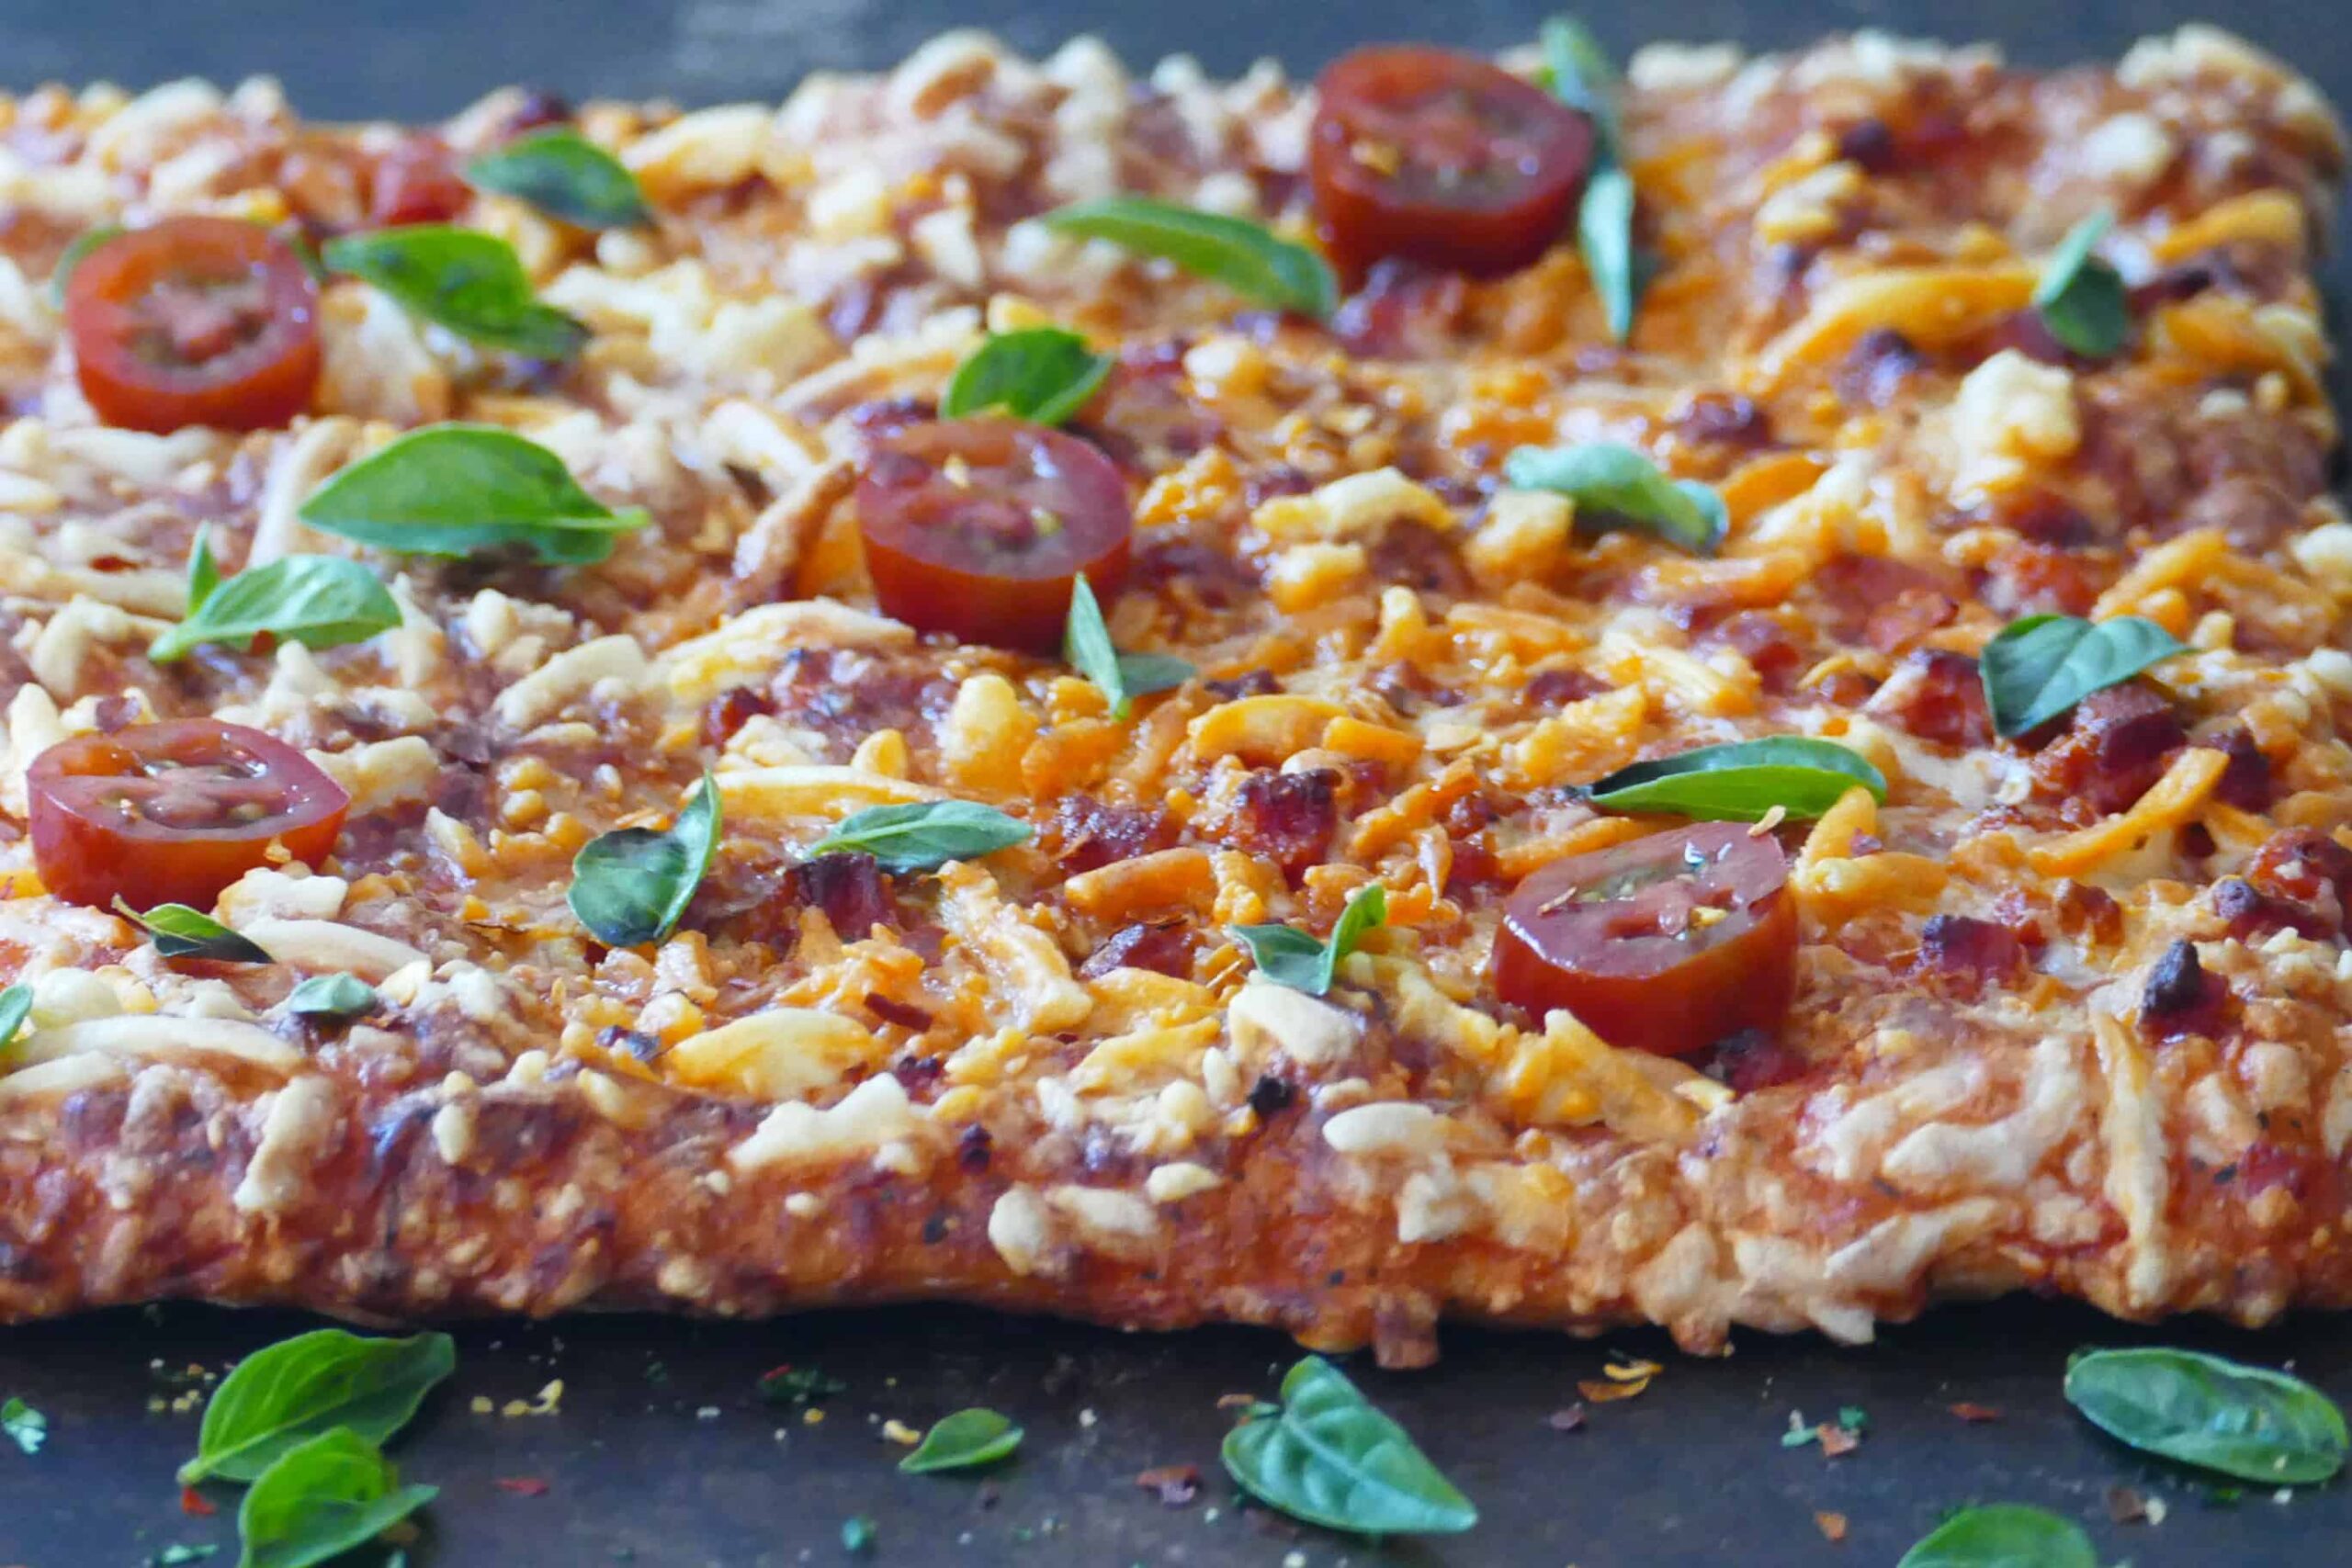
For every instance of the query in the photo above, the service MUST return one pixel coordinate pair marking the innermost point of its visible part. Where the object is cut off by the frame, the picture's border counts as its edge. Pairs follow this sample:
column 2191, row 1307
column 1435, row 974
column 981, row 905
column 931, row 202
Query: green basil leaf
column 23, row 1425
column 1292, row 957
column 1621, row 485
column 451, row 489
column 1121, row 677
column 16, row 1005
column 2246, row 1421
column 203, row 572
column 2041, row 666
column 83, row 243
column 2002, row 1534
column 1042, row 374
column 2082, row 298
column 565, row 175
column 924, row 835
column 1742, row 781
column 279, row 1398
column 179, row 931
column 335, row 996
column 1605, row 239
column 963, row 1441
column 317, row 601
column 322, row 1499
column 467, row 281
column 1244, row 256
column 1328, row 1457
column 629, row 887
column 1577, row 71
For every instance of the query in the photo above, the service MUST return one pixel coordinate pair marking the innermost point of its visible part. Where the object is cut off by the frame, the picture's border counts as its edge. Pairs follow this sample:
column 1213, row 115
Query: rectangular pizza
column 1710, row 693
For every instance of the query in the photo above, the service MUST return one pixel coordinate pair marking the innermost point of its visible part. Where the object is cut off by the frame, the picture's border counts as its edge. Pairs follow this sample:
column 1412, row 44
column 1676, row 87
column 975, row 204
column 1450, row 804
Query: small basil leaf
column 2040, row 667
column 1605, row 239
column 924, row 835
column 1042, row 374
column 1244, row 256
column 83, row 243
column 2249, row 1422
column 179, row 931
column 1292, row 957
column 317, row 1501
column 203, row 572
column 1620, row 485
column 467, row 281
column 451, row 489
column 1742, row 781
column 565, row 175
column 2082, row 298
column 16, row 1005
column 23, row 1425
column 336, row 996
column 1121, row 677
column 2002, row 1534
column 317, row 601
column 1577, row 71
column 629, row 887
column 281, row 1397
column 1328, row 1457
column 963, row 1441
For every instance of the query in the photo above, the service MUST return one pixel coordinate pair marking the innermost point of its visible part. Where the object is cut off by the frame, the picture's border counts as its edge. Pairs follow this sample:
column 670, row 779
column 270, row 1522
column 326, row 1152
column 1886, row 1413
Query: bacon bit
column 1610, row 1393
column 1838, row 1440
column 522, row 1485
column 1974, row 1413
column 1570, row 1419
column 1176, row 1484
column 192, row 1503
column 1831, row 1526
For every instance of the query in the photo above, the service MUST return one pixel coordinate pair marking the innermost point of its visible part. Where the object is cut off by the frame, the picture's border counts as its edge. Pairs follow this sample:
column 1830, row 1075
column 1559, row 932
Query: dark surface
column 663, row 1456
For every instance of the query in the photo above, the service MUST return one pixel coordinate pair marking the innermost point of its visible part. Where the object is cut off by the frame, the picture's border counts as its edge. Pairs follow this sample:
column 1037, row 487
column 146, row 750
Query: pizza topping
column 2081, row 299
column 179, row 931
column 1998, row 1534
column 848, row 887
column 2039, row 667
column 1327, row 1456
column 978, row 527
column 1441, row 158
column 1121, row 677
column 1614, row 486
column 279, row 1398
column 1743, row 781
column 1938, row 695
column 317, row 601
column 1667, row 943
column 194, row 322
column 1245, row 257
column 456, row 489
column 2117, row 743
column 904, row 839
column 1581, row 75
column 15, row 1006
column 1040, row 374
column 1292, row 957
column 323, row 1499
column 416, row 182
column 467, row 281
column 1287, row 817
column 2217, row 1415
column 1979, row 952
column 175, row 812
column 565, row 175
column 630, row 886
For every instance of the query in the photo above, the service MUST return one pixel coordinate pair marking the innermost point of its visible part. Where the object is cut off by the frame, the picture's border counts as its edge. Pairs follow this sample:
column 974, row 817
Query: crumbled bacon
column 1164, row 949
column 1752, row 1060
column 1869, row 144
column 2253, row 512
column 849, row 887
column 1937, row 695
column 728, row 712
column 1084, row 833
column 2180, row 997
column 1287, row 818
column 2305, row 866
column 1765, row 641
column 889, row 1010
column 2251, row 914
column 2028, row 579
column 973, row 1147
column 1559, row 687
column 1979, row 952
column 1875, row 369
column 1725, row 418
column 2245, row 783
column 915, row 1074
column 1403, row 311
column 1254, row 683
column 2268, row 1165
column 2117, row 742
column 2088, row 913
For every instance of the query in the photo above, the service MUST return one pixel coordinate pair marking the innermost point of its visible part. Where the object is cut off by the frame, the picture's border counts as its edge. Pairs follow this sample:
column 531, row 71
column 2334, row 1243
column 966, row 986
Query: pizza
column 1711, row 694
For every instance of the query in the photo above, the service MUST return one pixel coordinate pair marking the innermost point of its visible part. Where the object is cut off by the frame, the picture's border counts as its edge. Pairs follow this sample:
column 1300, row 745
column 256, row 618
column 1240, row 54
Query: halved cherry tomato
column 1441, row 158
column 416, row 182
column 194, row 321
column 1667, row 943
column 172, row 813
column 977, row 527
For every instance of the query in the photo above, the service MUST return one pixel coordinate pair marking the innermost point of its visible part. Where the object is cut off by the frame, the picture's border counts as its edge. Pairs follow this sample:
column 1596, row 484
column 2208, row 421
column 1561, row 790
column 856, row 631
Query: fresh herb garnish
column 1581, row 77
column 452, row 490
column 179, row 931
column 1244, row 256
column 1292, row 957
column 800, row 1385
column 1041, row 374
column 1616, row 485
column 463, row 279
column 83, row 243
column 2218, row 1415
column 2040, row 667
column 1326, row 1456
column 2082, row 298
column 16, row 1005
column 630, row 886
column 279, row 1398
column 1123, row 677
column 1742, row 781
column 565, row 175
column 23, row 1425
column 2002, row 1534
column 963, row 1441
column 178, row 1555
column 857, row 1533
column 317, row 601
column 319, row 1500
column 203, row 570
column 924, row 835
column 339, row 996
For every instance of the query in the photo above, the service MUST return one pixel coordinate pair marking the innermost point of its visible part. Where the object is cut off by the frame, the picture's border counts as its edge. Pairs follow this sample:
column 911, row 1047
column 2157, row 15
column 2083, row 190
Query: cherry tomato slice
column 416, row 182
column 194, row 321
column 1441, row 158
column 977, row 527
column 172, row 813
column 1665, row 945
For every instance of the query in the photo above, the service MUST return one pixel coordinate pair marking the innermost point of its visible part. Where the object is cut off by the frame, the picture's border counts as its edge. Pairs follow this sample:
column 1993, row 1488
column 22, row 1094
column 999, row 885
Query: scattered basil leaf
column 1610, row 484
column 179, row 931
column 317, row 601
column 319, row 1500
column 857, row 1533
column 336, row 996
column 1041, row 374
column 1581, row 76
column 279, row 1398
column 203, row 572
column 2240, row 1420
column 1292, row 957
column 1121, row 677
column 565, row 175
column 83, row 243
column 1328, row 1457
column 2002, row 1534
column 2041, row 666
column 965, row 1440
column 1244, row 256
column 463, row 279
column 1742, row 781
column 924, row 835
column 24, row 1426
column 629, row 887
column 16, row 1005
column 1577, row 69
column 2082, row 298
column 800, row 1385
column 451, row 489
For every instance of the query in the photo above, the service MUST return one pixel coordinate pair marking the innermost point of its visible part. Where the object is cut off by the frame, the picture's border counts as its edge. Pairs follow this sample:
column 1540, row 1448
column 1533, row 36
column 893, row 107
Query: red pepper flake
column 1974, row 1413
column 192, row 1503
column 522, row 1485
column 1831, row 1526
column 1570, row 1419
column 1837, row 1440
column 1177, row 1484
column 2126, row 1506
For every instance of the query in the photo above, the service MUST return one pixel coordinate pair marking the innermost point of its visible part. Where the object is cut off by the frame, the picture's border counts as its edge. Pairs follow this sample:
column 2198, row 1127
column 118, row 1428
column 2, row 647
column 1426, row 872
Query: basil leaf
column 179, row 931
column 1621, row 483
column 23, row 1425
column 319, row 1500
column 467, row 281
column 1244, row 256
column 83, row 243
column 1123, row 677
column 2246, row 1421
column 1742, row 781
column 1577, row 71
column 1581, row 77
column 317, row 601
column 565, row 175
column 1042, row 374
column 336, row 996
column 279, row 1398
column 2041, row 666
column 203, row 572
column 629, row 887
column 16, row 1005
column 2082, row 298
column 451, row 489
column 924, row 835
column 1328, row 1457
column 963, row 1441
column 2004, row 1535
column 1292, row 957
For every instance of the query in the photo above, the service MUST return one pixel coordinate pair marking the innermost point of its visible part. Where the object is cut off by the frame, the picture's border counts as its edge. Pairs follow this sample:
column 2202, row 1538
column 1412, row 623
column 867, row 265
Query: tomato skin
column 1446, row 159
column 235, row 791
column 1602, row 957
column 194, row 322
column 416, row 182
